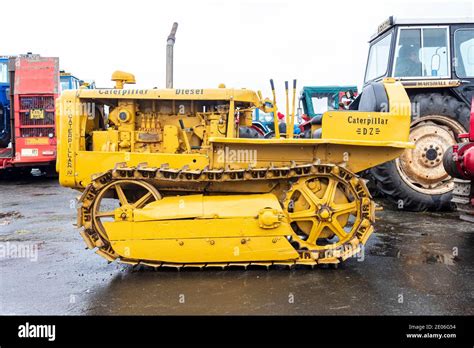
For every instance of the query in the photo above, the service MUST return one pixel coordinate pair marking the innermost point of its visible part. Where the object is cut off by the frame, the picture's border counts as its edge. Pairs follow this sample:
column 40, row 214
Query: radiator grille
column 36, row 102
column 36, row 132
column 29, row 103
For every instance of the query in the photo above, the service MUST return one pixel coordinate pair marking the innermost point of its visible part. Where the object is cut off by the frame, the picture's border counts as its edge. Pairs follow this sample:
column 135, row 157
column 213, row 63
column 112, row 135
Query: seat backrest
column 374, row 98
column 318, row 119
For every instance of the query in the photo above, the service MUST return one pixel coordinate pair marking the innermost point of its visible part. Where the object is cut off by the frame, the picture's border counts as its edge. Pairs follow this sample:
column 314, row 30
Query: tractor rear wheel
column 417, row 180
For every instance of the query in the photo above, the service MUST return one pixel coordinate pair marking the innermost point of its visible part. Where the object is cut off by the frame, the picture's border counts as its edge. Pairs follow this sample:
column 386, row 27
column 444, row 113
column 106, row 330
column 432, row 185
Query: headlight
column 50, row 135
column 268, row 118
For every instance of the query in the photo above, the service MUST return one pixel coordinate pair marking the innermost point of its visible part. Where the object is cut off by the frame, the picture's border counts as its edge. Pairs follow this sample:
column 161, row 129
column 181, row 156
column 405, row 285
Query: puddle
column 386, row 250
column 8, row 217
column 392, row 245
column 11, row 214
column 430, row 256
column 385, row 245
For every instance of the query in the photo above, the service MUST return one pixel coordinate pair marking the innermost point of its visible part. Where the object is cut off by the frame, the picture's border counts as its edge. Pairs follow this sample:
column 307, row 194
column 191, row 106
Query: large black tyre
column 388, row 177
column 281, row 128
column 249, row 132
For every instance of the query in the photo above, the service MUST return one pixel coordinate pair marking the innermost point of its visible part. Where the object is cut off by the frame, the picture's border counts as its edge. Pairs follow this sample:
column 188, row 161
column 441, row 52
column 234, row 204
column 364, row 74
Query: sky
column 242, row 43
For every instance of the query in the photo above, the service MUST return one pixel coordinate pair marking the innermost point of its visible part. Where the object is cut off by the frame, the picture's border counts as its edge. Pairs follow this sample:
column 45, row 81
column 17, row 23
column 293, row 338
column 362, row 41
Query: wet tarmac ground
column 415, row 263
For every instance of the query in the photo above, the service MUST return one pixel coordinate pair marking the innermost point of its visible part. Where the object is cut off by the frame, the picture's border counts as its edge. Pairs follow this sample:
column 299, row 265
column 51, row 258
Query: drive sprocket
column 331, row 214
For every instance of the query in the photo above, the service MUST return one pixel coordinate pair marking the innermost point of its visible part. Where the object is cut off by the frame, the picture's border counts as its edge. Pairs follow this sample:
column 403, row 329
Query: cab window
column 422, row 52
column 321, row 103
column 64, row 85
column 378, row 58
column 464, row 52
column 3, row 72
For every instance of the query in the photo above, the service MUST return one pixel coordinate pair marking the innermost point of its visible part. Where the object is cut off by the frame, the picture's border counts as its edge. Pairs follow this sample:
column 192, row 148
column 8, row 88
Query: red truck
column 34, row 87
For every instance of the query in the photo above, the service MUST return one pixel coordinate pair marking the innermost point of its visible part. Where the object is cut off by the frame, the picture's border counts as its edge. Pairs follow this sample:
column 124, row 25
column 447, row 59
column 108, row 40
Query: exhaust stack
column 169, row 55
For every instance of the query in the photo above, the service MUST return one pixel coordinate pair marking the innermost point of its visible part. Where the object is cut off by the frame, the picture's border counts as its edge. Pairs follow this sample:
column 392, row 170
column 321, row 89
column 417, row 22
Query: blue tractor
column 263, row 123
column 69, row 81
column 5, row 127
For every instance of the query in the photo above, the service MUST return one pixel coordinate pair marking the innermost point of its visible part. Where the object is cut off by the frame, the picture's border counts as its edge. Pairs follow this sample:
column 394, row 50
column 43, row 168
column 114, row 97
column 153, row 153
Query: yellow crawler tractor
column 168, row 180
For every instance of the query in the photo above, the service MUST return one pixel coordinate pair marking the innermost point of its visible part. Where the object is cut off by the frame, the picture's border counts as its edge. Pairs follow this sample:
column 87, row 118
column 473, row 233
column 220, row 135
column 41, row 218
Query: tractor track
column 330, row 255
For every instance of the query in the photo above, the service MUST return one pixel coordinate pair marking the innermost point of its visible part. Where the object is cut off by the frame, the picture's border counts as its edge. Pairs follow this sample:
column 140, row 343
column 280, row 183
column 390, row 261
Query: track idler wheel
column 113, row 201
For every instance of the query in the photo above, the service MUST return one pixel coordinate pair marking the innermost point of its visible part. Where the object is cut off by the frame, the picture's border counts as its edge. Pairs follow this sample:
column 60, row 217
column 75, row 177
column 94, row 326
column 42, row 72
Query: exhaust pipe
column 169, row 55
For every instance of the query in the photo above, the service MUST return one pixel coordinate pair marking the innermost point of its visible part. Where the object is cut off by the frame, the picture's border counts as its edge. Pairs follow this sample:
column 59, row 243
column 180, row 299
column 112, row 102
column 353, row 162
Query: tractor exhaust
column 169, row 55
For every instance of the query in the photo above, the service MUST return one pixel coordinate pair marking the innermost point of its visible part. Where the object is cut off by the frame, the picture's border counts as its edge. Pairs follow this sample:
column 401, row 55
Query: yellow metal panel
column 355, row 158
column 200, row 250
column 105, row 140
column 37, row 141
column 36, row 114
column 170, row 139
column 242, row 95
column 69, row 135
column 398, row 100
column 307, row 142
column 380, row 128
column 171, row 208
column 191, row 228
column 210, row 207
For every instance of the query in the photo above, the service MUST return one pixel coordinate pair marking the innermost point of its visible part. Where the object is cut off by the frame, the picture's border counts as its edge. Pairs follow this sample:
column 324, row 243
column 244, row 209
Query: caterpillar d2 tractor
column 166, row 180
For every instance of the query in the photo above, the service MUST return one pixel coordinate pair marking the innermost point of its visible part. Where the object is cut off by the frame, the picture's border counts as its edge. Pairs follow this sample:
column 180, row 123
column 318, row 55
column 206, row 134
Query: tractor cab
column 316, row 100
column 424, row 53
column 3, row 71
column 434, row 60
column 69, row 81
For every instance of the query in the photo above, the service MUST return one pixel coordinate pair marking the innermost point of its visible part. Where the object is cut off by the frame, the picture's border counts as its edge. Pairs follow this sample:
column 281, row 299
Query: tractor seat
column 372, row 99
column 318, row 119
